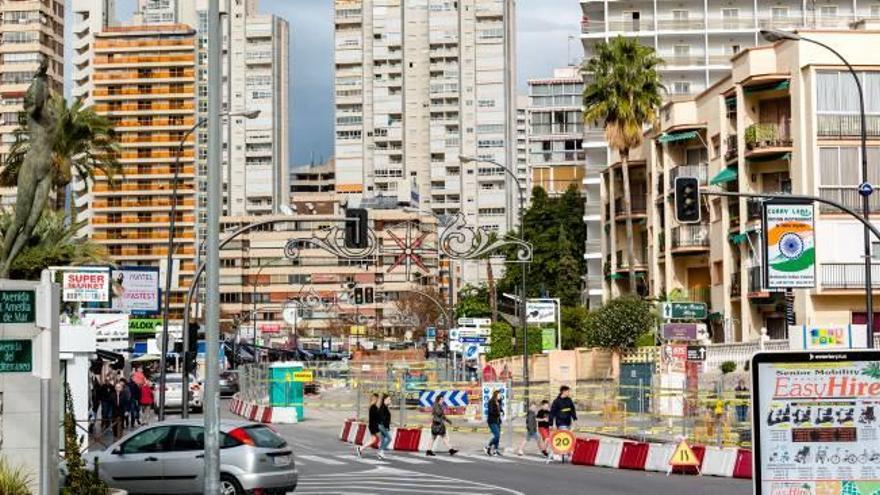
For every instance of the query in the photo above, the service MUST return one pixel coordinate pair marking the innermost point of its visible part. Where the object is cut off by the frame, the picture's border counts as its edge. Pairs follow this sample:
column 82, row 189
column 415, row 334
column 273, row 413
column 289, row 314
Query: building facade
column 417, row 85
column 30, row 32
column 784, row 121
column 89, row 17
column 258, row 281
column 144, row 81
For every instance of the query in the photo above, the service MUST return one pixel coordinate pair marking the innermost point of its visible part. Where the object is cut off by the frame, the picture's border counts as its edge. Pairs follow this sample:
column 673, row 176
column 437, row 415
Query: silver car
column 168, row 457
column 174, row 395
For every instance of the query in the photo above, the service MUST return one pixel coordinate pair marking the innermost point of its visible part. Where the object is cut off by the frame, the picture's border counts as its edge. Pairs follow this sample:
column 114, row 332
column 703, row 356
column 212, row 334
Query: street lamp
column 522, row 237
column 773, row 35
column 254, row 300
column 172, row 221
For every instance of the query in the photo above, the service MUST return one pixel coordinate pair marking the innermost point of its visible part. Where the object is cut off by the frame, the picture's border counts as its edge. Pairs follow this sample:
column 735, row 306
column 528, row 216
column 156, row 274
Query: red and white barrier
column 659, row 455
column 609, row 452
column 261, row 413
column 719, row 461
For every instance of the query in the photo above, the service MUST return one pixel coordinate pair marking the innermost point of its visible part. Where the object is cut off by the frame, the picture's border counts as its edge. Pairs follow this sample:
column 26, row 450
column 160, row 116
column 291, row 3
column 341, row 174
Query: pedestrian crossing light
column 687, row 200
column 359, row 295
column 356, row 228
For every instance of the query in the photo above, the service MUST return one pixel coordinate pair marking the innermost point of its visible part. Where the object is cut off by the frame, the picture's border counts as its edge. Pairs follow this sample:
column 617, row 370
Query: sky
column 543, row 31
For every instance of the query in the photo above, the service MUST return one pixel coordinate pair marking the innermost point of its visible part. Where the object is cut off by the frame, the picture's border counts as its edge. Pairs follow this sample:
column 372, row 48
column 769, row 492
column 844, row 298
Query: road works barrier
column 727, row 462
column 262, row 413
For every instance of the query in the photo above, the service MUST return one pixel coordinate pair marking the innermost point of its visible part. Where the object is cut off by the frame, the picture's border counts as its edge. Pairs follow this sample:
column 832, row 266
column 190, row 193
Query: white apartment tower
column 89, row 17
column 696, row 39
column 255, row 77
column 419, row 83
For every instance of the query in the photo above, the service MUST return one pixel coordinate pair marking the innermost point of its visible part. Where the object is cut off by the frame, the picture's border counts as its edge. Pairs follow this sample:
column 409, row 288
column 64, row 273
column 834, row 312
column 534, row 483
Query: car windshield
column 173, row 379
column 265, row 437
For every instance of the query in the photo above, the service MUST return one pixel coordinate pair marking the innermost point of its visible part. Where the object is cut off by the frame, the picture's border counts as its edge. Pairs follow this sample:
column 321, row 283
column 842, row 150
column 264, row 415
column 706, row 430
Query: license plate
column 281, row 460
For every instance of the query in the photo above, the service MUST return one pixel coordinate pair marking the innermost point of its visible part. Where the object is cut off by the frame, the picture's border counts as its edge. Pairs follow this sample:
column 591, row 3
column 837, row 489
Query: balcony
column 700, row 171
column 680, row 24
column 678, row 61
column 842, row 126
column 754, row 209
column 736, row 285
column 731, row 24
column 756, row 284
column 767, row 138
column 846, row 196
column 639, row 257
column 733, row 212
column 732, row 148
column 698, row 294
column 690, row 238
column 848, row 275
column 638, row 205
column 779, row 22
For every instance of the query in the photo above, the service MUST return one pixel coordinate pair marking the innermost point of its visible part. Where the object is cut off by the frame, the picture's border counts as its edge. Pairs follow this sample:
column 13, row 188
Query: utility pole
column 212, row 254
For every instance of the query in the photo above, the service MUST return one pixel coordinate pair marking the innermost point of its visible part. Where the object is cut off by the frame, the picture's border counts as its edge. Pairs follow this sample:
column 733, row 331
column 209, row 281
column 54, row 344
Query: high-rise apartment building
column 30, row 31
column 418, row 84
column 89, row 17
column 144, row 81
column 696, row 40
column 784, row 121
column 255, row 78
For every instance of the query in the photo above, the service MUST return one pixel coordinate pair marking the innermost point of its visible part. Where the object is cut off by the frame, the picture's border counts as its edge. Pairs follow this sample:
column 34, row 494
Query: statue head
column 43, row 68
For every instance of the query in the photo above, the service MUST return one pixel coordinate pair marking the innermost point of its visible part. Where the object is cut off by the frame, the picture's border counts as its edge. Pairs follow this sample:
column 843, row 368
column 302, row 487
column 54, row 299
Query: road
column 328, row 466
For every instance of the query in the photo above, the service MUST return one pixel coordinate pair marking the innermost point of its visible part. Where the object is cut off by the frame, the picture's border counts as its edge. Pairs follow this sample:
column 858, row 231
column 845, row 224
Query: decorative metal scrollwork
column 400, row 320
column 332, row 240
column 311, row 300
column 462, row 241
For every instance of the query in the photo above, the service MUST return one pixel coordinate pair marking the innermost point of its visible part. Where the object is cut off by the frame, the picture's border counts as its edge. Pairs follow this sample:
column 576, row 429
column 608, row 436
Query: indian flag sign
column 789, row 246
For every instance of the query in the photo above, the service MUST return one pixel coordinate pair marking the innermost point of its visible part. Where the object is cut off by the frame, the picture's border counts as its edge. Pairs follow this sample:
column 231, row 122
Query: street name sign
column 17, row 306
column 16, row 356
column 684, row 311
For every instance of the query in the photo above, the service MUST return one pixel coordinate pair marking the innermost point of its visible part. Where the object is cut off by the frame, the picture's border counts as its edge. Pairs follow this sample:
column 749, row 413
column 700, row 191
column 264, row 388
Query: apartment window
column 875, row 11
column 490, row 143
column 836, row 92
column 840, row 166
column 779, row 12
column 681, row 87
column 733, row 49
column 632, row 20
column 695, row 156
column 682, row 51
column 486, row 103
column 728, row 13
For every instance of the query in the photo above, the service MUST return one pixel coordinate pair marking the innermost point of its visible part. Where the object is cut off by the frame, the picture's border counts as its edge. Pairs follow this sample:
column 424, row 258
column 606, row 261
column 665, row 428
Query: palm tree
column 54, row 242
column 624, row 93
column 84, row 144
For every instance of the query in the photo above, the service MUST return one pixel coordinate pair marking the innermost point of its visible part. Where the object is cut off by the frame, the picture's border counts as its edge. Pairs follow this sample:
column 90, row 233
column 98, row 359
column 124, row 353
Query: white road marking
column 363, row 460
column 320, row 460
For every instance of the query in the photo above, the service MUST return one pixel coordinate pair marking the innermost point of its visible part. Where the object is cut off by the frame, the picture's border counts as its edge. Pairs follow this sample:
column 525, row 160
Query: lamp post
column 254, row 300
column 172, row 222
column 865, row 189
column 523, row 296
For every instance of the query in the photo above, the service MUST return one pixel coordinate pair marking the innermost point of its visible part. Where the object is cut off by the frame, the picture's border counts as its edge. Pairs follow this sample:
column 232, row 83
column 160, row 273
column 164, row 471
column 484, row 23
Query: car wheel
column 229, row 485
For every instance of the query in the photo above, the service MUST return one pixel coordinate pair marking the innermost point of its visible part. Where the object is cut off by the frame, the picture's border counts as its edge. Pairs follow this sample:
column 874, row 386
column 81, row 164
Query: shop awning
column 738, row 238
column 668, row 137
column 730, row 101
column 770, row 158
column 726, row 175
column 774, row 86
column 615, row 276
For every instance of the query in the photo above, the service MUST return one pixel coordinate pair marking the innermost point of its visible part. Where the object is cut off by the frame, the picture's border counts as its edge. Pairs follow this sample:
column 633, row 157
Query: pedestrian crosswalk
column 384, row 480
column 411, row 458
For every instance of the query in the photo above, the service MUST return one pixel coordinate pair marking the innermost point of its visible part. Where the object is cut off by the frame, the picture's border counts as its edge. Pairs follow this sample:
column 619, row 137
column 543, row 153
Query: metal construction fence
column 713, row 410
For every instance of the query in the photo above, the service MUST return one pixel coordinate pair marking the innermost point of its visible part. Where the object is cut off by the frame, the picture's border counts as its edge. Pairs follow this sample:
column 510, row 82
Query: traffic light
column 687, row 200
column 189, row 355
column 356, row 228
column 368, row 295
column 358, row 295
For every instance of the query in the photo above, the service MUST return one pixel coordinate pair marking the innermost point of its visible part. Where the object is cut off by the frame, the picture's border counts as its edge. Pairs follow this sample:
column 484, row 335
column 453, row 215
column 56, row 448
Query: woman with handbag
column 438, row 427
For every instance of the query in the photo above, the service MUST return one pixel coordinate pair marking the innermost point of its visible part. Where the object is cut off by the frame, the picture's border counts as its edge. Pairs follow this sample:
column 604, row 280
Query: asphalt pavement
column 328, row 466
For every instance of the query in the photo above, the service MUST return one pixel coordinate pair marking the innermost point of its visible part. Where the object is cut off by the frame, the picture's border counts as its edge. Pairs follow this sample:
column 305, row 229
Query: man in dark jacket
column 562, row 412
column 134, row 403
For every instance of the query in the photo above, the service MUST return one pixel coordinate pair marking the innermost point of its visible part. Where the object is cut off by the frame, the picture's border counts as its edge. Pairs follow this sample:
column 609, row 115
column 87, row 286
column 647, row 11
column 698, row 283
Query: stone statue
column 35, row 176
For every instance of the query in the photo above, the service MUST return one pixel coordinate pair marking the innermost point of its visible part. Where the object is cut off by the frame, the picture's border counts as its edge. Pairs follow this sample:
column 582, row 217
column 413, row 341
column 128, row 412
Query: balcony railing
column 735, row 284
column 754, row 210
column 639, row 257
column 690, row 236
column 638, row 204
column 846, row 196
column 698, row 294
column 756, row 282
column 731, row 24
column 679, row 24
column 848, row 275
column 847, row 125
column 766, row 135
column 700, row 171
column 732, row 148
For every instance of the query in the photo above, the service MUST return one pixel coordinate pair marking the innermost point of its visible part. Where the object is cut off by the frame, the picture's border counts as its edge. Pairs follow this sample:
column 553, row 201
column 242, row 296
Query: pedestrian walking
column 531, row 430
column 119, row 405
column 562, row 412
column 438, row 427
column 742, row 401
column 146, row 401
column 493, row 418
column 138, row 377
column 105, row 393
column 543, row 418
column 372, row 424
column 384, row 425
column 94, row 401
column 134, row 403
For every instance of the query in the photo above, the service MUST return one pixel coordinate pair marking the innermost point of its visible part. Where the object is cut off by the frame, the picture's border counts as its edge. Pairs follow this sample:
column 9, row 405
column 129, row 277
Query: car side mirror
column 116, row 451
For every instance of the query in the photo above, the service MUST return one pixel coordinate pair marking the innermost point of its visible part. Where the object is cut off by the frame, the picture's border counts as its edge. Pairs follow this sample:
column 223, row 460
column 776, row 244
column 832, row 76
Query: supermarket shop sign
column 86, row 286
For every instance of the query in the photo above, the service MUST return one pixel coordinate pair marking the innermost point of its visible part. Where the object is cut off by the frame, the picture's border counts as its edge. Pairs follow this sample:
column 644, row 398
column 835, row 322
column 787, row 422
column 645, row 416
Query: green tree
column 54, row 242
column 623, row 94
column 473, row 302
column 503, row 343
column 79, row 480
column 574, row 326
column 83, row 144
column 620, row 323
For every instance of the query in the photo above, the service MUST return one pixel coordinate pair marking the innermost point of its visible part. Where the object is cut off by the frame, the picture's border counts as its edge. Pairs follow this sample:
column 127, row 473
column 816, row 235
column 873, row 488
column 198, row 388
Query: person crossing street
column 493, row 418
column 384, row 425
column 563, row 412
column 438, row 427
column 372, row 424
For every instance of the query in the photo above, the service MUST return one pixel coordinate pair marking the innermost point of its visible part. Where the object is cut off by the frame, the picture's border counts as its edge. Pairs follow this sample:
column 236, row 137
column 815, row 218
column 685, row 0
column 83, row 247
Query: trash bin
column 285, row 389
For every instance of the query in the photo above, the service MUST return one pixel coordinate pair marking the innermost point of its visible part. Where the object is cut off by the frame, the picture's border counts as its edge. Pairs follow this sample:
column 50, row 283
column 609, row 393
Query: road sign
column 451, row 398
column 431, row 334
column 471, row 351
column 866, row 189
column 290, row 314
column 680, row 331
column 17, row 306
column 474, row 332
column 486, row 393
column 16, row 356
column 683, row 457
column 303, row 376
column 474, row 322
column 562, row 442
column 540, row 312
column 684, row 311
column 473, row 340
column 696, row 353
